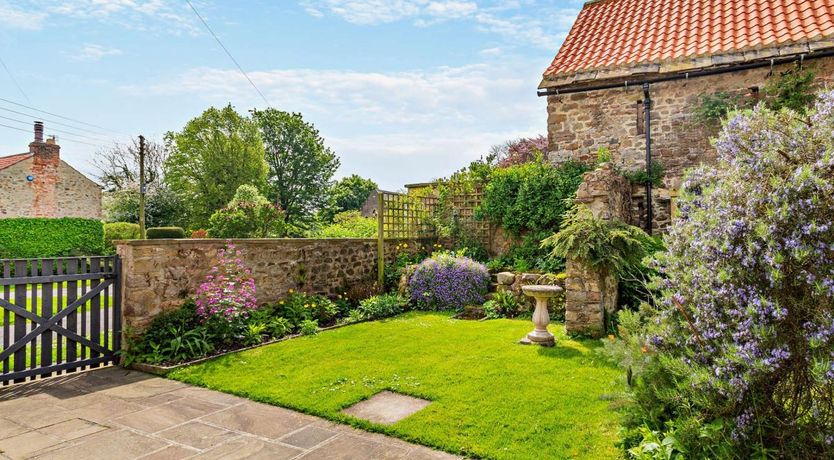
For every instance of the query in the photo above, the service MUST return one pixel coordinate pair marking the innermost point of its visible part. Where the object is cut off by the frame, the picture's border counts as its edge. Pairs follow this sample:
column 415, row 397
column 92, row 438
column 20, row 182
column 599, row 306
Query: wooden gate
column 58, row 315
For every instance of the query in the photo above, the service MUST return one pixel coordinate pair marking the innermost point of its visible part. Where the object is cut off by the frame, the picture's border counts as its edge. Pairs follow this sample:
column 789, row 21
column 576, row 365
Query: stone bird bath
column 541, row 318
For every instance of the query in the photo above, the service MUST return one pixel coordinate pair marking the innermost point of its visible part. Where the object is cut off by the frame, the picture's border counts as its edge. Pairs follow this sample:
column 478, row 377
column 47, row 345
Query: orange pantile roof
column 617, row 34
column 5, row 162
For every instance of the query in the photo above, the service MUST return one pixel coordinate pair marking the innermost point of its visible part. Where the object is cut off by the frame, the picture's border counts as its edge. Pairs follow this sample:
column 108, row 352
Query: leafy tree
column 300, row 165
column 163, row 208
column 348, row 194
column 792, row 89
column 248, row 215
column 210, row 158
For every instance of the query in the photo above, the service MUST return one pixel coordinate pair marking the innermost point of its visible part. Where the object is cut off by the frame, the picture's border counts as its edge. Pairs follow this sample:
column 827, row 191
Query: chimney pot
column 38, row 131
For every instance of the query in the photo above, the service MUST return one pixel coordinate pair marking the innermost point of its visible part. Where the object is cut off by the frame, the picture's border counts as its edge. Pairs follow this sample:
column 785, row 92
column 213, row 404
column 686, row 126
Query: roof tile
column 625, row 33
column 10, row 160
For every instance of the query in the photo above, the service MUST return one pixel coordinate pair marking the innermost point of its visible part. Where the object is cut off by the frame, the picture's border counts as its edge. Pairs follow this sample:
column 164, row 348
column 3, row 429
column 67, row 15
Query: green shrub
column 160, row 233
column 23, row 237
column 504, row 305
column 608, row 245
column 309, row 327
column 348, row 224
column 248, row 215
column 119, row 231
column 530, row 196
column 381, row 306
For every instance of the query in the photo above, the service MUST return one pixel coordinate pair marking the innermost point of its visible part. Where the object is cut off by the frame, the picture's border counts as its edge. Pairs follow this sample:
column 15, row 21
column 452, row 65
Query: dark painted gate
column 59, row 315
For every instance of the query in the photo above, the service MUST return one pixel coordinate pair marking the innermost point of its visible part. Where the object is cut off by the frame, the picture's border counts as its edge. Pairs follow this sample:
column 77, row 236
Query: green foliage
column 347, row 194
column 298, row 307
column 635, row 279
column 300, row 165
column 606, row 244
column 530, row 196
column 640, row 176
column 210, row 158
column 160, row 233
column 119, row 231
column 254, row 334
column 248, row 215
column 163, row 208
column 309, row 327
column 713, row 108
column 348, row 224
column 24, row 237
column 381, row 306
column 504, row 304
column 603, row 155
column 360, row 291
column 355, row 316
column 793, row 89
column 405, row 257
column 278, row 327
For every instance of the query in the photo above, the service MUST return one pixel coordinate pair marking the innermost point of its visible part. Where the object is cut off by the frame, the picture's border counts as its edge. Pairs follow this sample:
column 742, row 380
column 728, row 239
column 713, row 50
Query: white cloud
column 497, row 51
column 170, row 16
column 91, row 52
column 397, row 127
column 515, row 20
column 20, row 18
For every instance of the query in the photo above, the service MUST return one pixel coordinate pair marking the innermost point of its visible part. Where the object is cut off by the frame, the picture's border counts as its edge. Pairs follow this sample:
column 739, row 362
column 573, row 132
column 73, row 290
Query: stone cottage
column 38, row 183
column 631, row 73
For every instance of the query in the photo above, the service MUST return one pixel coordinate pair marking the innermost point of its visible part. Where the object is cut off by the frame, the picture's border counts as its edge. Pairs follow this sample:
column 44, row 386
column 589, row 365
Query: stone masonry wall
column 591, row 293
column 579, row 124
column 159, row 275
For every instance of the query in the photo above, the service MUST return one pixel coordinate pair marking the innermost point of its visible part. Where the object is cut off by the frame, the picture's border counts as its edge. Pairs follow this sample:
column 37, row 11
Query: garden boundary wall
column 159, row 275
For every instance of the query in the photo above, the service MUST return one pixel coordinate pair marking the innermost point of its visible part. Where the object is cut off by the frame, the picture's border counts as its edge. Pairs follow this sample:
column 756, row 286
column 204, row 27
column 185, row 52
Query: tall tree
column 118, row 166
column 301, row 167
column 348, row 194
column 210, row 158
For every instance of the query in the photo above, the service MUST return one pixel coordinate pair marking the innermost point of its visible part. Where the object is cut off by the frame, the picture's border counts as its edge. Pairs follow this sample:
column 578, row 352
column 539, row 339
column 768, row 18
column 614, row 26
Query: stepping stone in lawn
column 386, row 407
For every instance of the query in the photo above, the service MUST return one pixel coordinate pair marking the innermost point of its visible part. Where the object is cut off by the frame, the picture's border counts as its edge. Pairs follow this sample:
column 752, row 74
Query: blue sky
column 403, row 90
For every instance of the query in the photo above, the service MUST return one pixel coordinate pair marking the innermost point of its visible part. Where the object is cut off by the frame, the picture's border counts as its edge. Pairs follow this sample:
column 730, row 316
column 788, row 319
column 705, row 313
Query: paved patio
column 113, row 413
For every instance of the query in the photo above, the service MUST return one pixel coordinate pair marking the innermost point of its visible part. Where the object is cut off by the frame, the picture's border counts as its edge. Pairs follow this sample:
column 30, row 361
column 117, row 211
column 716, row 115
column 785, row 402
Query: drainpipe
column 647, row 123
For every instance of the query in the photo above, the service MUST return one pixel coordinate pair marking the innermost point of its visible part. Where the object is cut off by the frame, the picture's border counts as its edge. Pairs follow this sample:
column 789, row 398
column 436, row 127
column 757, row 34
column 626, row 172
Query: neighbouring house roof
column 10, row 160
column 616, row 39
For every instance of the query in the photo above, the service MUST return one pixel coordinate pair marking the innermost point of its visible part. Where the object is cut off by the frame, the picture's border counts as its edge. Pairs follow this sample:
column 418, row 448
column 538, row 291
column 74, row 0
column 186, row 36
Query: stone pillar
column 591, row 293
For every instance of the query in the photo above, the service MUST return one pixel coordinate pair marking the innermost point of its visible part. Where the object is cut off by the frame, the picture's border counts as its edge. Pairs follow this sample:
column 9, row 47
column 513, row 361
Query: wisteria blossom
column 229, row 289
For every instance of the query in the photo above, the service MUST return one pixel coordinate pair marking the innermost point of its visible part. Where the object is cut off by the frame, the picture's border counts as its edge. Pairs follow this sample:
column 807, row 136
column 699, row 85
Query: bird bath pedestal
column 541, row 318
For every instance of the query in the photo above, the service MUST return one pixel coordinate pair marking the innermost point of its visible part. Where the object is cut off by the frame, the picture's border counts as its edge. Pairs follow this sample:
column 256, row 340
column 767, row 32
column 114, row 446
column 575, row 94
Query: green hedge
column 119, row 231
column 22, row 238
column 159, row 233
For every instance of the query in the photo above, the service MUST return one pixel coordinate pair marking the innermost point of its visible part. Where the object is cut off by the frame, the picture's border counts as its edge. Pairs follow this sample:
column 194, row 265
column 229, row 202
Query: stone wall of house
column 159, row 275
column 591, row 293
column 579, row 124
column 58, row 190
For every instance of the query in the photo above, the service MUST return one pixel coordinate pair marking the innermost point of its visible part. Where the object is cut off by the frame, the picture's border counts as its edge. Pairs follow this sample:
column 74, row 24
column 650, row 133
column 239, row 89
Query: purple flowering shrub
column 446, row 282
column 229, row 289
column 743, row 337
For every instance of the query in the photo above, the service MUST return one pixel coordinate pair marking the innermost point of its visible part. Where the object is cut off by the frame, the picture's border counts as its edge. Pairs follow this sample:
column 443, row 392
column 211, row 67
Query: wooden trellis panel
column 406, row 216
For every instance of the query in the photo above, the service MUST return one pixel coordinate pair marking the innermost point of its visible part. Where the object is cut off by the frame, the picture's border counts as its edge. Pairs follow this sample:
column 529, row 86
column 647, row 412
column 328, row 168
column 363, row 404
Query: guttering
column 555, row 91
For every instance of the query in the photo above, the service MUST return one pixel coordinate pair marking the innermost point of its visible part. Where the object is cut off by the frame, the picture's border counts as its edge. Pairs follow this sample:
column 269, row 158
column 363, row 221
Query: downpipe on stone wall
column 647, row 107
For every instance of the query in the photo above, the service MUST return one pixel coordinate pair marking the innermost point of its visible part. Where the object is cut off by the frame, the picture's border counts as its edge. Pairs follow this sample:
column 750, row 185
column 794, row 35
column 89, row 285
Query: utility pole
column 141, row 187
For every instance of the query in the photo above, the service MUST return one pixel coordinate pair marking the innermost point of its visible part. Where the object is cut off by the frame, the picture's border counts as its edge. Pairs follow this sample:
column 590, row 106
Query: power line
column 63, row 138
column 227, row 52
column 59, row 116
column 11, row 76
column 14, row 127
column 51, row 121
column 57, row 130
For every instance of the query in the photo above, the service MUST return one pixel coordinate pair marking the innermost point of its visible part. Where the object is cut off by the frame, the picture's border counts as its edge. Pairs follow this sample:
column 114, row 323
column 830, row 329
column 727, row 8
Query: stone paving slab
column 113, row 413
column 386, row 407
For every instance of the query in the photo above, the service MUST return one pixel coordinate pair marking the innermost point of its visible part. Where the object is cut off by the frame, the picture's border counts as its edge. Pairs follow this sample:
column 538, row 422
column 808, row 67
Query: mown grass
column 492, row 397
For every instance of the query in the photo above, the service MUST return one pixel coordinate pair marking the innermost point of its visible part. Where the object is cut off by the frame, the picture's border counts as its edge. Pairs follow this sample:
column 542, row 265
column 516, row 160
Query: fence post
column 380, row 238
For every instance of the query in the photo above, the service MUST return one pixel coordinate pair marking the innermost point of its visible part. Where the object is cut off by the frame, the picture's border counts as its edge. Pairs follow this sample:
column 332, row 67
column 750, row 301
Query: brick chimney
column 46, row 153
column 46, row 163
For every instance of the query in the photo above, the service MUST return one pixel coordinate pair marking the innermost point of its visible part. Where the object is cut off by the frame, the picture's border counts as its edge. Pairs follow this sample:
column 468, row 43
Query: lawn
column 491, row 397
